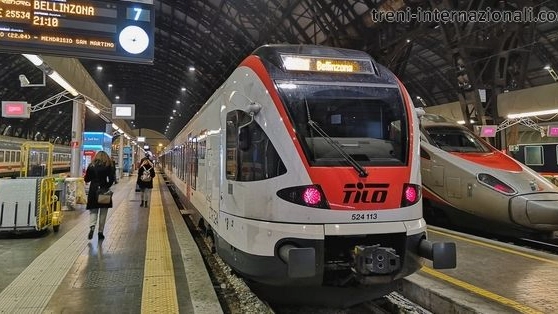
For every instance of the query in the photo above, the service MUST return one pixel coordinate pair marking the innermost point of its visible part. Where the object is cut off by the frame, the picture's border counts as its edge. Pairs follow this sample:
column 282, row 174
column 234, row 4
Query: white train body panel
column 275, row 199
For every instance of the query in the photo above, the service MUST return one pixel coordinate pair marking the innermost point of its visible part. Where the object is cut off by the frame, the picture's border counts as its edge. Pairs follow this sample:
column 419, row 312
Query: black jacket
column 100, row 177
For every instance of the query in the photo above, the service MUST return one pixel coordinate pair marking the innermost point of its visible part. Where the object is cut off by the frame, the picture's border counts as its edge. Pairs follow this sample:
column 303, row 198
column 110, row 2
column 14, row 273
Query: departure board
column 106, row 30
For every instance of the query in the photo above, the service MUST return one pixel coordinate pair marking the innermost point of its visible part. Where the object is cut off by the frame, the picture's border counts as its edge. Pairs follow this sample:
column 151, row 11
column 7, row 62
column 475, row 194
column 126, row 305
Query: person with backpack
column 146, row 173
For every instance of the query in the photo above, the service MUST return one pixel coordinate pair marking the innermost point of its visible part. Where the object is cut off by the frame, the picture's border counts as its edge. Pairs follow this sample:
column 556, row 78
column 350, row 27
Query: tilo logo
column 365, row 192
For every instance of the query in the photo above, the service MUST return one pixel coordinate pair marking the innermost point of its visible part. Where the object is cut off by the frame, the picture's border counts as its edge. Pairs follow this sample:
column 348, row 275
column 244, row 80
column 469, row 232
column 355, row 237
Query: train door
column 191, row 167
column 213, row 173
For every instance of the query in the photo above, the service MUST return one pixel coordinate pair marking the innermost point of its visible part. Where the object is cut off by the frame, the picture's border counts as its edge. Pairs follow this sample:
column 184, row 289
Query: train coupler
column 375, row 260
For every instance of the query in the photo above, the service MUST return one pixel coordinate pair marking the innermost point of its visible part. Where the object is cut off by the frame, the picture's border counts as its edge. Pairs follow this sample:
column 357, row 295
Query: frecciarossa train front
column 321, row 178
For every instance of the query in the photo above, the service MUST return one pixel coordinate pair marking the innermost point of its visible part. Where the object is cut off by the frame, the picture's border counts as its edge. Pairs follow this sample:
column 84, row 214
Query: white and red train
column 304, row 167
column 471, row 184
column 10, row 158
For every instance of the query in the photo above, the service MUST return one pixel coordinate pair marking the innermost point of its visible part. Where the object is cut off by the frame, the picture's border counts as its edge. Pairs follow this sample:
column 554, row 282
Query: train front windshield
column 365, row 121
column 452, row 139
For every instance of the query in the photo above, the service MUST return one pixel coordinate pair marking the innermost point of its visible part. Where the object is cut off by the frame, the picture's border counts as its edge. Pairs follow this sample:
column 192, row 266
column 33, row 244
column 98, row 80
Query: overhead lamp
column 92, row 107
column 551, row 71
column 62, row 82
column 532, row 114
column 36, row 60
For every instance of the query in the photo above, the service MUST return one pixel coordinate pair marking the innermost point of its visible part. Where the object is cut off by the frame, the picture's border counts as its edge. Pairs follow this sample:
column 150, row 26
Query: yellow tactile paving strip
column 159, row 289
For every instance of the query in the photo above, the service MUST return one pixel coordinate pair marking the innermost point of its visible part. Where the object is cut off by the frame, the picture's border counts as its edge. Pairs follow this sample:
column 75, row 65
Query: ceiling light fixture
column 36, row 60
column 62, row 82
column 532, row 114
column 93, row 108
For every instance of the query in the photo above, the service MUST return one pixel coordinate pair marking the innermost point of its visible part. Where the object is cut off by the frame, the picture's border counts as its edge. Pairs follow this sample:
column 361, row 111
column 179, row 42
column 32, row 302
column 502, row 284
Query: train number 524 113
column 357, row 217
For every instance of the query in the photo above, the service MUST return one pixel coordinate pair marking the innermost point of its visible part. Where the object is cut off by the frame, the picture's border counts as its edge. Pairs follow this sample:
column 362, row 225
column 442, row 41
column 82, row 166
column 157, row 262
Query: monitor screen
column 488, row 130
column 123, row 111
column 552, row 131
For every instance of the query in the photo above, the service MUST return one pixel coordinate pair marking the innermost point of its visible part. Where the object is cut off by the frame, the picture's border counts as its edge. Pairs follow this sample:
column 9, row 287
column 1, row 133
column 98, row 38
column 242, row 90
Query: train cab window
column 366, row 121
column 454, row 139
column 259, row 160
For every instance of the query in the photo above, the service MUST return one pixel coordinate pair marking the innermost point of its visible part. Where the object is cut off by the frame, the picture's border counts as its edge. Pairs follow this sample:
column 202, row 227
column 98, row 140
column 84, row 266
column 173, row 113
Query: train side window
column 1, row 156
column 259, row 161
column 534, row 156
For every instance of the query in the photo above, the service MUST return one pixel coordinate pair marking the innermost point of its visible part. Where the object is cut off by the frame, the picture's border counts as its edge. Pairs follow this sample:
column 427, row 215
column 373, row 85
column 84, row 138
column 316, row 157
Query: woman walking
column 100, row 173
column 146, row 173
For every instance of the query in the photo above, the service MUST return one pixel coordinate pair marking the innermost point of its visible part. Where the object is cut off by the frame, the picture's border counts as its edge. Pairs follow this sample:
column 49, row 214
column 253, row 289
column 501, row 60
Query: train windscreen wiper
column 361, row 171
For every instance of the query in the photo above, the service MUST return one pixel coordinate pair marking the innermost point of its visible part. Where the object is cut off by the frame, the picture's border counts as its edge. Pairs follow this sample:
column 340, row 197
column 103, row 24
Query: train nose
column 539, row 210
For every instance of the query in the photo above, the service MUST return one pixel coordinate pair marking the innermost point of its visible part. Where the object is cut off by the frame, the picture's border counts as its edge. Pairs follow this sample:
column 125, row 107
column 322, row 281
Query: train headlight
column 306, row 195
column 495, row 184
column 411, row 194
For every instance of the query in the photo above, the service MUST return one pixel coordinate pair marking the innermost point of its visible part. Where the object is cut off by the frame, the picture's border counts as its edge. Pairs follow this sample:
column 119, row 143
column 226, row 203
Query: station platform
column 148, row 262
column 490, row 277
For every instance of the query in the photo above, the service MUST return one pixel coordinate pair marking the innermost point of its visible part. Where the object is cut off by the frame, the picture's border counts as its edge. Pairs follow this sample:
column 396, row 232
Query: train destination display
column 106, row 30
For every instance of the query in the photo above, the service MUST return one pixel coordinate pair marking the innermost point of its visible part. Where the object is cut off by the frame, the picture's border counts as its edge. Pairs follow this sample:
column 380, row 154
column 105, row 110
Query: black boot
column 101, row 236
column 91, row 231
column 141, row 205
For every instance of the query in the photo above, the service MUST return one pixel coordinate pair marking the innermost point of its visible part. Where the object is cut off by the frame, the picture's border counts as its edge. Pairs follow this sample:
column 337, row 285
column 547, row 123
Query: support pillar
column 121, row 154
column 78, row 121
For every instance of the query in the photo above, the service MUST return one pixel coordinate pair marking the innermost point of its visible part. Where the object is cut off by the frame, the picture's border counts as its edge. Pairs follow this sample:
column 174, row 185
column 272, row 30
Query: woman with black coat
column 100, row 173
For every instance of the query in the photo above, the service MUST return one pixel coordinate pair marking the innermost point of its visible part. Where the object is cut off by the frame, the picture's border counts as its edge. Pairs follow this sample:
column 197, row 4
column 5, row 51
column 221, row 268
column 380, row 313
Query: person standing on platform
column 100, row 173
column 114, row 167
column 146, row 173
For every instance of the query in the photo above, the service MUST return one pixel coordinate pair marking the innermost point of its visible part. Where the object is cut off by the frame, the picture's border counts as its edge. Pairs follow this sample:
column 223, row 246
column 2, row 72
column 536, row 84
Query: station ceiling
column 438, row 62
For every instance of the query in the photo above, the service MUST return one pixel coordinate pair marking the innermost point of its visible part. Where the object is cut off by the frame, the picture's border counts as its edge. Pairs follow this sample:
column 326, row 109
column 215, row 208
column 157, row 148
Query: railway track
column 550, row 246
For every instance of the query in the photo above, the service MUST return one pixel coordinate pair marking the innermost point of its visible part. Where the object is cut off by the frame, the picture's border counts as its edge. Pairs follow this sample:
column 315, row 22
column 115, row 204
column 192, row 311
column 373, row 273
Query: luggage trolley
column 29, row 203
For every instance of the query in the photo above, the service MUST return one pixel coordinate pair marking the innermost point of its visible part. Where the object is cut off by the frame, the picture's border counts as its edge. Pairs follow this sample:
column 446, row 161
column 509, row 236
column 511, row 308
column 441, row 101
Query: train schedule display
column 105, row 30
